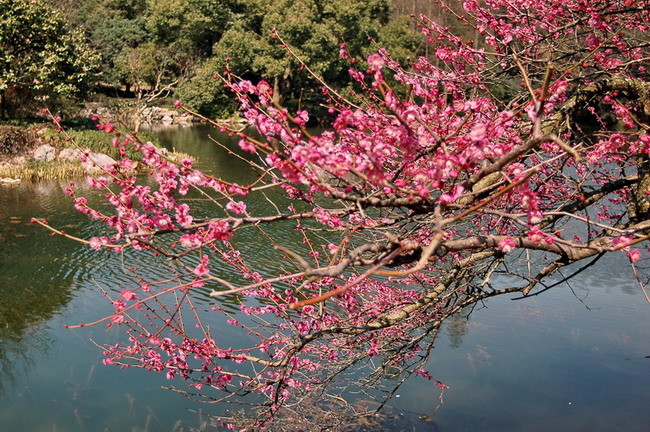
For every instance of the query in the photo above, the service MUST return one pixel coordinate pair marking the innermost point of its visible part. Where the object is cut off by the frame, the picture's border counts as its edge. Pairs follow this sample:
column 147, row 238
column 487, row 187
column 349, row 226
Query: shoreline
column 40, row 153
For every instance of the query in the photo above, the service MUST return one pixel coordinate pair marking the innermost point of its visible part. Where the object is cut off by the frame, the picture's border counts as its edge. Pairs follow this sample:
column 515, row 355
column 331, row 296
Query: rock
column 44, row 153
column 69, row 154
column 97, row 162
column 106, row 114
column 140, row 115
column 184, row 120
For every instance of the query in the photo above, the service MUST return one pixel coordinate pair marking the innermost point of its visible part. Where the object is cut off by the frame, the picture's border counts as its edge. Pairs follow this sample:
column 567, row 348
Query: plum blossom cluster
column 524, row 152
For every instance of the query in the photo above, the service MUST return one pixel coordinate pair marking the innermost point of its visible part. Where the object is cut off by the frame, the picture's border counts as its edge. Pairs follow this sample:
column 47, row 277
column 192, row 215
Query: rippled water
column 572, row 359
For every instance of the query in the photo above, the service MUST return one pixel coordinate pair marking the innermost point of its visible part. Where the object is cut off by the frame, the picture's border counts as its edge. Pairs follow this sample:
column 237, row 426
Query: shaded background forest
column 174, row 48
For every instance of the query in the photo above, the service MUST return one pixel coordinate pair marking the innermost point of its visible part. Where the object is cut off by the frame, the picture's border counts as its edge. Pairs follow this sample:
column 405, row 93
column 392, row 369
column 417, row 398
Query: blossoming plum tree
column 423, row 189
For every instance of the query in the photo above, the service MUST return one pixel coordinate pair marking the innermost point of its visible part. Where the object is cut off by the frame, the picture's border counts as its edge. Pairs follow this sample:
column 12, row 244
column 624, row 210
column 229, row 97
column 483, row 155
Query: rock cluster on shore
column 92, row 164
column 147, row 117
column 19, row 147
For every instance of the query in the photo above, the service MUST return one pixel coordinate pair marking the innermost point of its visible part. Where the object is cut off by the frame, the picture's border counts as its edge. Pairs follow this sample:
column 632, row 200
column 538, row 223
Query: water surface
column 572, row 359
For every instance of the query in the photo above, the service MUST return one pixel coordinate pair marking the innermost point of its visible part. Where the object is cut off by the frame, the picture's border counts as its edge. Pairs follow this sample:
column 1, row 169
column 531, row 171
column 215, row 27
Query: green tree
column 149, row 68
column 114, row 27
column 41, row 53
column 402, row 41
column 194, row 24
column 171, row 34
column 314, row 29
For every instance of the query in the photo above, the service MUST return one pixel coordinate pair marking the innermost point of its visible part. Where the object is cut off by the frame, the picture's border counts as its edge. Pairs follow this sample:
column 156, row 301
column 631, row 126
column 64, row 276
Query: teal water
column 572, row 359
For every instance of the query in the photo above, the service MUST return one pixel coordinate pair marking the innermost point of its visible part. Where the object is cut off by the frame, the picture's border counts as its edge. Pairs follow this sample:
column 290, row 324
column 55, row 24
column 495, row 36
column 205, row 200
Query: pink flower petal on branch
column 507, row 244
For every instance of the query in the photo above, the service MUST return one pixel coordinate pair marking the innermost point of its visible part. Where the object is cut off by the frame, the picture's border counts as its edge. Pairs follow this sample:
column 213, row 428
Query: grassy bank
column 17, row 142
column 37, row 171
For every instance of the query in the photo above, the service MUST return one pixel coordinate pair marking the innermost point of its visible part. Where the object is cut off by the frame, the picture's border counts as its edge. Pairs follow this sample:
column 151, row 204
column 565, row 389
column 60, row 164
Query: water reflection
column 457, row 326
column 51, row 378
column 27, row 303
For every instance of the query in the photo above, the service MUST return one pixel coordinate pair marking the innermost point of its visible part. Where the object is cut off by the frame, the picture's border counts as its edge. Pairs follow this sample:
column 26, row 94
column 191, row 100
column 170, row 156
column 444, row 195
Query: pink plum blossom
column 507, row 244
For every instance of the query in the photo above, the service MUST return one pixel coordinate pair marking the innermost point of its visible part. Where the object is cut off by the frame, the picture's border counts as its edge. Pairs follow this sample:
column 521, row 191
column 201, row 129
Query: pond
column 574, row 358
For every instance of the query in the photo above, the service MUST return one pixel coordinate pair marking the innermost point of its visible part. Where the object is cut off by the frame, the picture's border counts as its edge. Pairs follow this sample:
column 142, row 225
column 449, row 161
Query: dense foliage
column 419, row 194
column 315, row 30
column 147, row 46
column 41, row 55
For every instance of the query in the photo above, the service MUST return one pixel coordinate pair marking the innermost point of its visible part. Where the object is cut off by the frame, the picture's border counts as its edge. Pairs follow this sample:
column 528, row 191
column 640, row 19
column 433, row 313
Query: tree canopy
column 40, row 52
column 188, row 40
column 314, row 29
column 424, row 189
